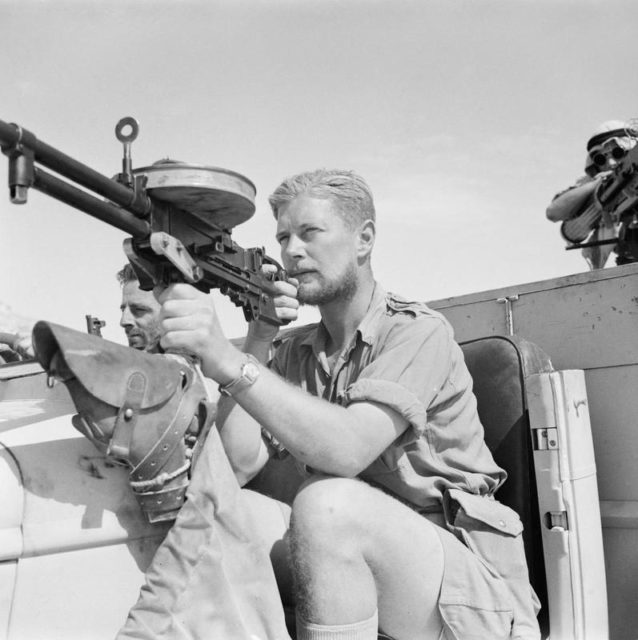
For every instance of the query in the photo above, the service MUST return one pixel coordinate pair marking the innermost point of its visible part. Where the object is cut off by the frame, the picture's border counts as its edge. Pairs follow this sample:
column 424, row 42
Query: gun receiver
column 179, row 216
column 618, row 194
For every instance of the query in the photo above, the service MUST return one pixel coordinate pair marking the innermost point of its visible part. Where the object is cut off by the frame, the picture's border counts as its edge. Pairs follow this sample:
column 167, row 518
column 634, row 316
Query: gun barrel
column 180, row 231
column 105, row 211
column 12, row 135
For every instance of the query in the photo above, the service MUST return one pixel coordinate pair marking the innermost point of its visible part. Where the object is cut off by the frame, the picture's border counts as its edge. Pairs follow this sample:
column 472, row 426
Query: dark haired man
column 140, row 313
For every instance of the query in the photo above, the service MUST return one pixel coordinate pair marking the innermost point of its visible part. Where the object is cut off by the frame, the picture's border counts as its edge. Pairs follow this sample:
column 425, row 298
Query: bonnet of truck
column 73, row 542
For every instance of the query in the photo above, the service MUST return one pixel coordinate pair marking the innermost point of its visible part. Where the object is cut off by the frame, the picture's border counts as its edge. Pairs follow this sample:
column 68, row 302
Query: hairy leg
column 356, row 550
column 272, row 519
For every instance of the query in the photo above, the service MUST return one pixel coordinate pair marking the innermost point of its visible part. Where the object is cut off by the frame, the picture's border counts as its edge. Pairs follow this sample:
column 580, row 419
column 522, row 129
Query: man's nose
column 126, row 319
column 294, row 248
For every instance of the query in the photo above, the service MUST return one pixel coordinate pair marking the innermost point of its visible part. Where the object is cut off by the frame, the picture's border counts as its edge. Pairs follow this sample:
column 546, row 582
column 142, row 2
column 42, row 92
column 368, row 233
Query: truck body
column 74, row 544
column 586, row 321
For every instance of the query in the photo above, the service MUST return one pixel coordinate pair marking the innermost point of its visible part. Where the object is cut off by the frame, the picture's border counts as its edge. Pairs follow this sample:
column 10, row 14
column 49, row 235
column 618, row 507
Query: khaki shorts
column 485, row 591
column 475, row 603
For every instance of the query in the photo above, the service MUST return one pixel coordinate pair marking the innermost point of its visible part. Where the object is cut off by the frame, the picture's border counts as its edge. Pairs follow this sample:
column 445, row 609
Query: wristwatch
column 249, row 372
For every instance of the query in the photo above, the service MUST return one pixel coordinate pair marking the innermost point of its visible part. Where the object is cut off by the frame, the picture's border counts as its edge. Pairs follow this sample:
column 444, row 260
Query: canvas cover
column 210, row 578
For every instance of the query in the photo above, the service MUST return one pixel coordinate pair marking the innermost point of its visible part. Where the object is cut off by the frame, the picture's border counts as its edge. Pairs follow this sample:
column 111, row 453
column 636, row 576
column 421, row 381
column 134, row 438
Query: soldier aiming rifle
column 598, row 214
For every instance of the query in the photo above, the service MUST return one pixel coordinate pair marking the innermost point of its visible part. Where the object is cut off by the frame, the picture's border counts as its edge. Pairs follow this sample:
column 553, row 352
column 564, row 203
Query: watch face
column 250, row 371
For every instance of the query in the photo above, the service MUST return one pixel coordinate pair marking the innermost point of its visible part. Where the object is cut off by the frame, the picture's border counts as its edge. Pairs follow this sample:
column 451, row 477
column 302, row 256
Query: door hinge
column 545, row 439
column 557, row 520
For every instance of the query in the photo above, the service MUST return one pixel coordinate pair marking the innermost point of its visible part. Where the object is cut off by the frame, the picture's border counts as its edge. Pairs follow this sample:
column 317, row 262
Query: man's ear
column 366, row 237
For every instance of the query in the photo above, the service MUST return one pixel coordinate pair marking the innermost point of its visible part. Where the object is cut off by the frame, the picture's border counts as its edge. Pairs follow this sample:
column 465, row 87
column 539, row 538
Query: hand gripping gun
column 179, row 215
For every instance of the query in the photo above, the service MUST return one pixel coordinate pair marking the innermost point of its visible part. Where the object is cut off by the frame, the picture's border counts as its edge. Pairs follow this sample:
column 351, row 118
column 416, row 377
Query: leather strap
column 120, row 444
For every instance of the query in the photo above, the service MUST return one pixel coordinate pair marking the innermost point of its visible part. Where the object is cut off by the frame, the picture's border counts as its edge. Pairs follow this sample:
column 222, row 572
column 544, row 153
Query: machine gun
column 179, row 215
column 616, row 197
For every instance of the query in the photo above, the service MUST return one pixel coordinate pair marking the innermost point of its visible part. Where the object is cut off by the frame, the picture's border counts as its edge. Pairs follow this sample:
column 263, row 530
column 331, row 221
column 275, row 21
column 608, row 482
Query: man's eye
column 282, row 239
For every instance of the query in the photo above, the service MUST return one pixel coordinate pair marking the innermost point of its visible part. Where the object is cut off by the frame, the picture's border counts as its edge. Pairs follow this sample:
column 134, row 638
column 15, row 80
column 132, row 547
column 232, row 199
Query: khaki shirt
column 403, row 356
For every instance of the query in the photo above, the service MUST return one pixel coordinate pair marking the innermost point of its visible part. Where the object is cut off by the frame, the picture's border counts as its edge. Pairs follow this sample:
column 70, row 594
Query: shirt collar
column 366, row 329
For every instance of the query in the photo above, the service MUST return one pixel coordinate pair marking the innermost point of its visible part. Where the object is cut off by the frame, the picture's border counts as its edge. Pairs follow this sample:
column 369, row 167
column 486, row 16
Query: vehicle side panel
column 587, row 321
column 77, row 556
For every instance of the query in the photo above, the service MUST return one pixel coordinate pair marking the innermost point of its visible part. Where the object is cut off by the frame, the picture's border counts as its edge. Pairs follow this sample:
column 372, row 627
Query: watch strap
column 244, row 379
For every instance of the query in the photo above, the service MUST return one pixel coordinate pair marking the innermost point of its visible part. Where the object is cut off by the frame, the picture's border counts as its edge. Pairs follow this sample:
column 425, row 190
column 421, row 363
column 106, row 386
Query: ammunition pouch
column 149, row 412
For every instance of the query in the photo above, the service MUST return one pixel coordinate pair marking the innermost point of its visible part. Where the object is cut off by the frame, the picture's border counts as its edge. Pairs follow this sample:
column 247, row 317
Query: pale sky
column 465, row 117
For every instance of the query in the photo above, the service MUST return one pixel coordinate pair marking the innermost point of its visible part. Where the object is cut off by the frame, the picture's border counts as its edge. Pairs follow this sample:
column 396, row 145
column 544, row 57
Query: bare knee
column 326, row 504
column 326, row 538
column 350, row 538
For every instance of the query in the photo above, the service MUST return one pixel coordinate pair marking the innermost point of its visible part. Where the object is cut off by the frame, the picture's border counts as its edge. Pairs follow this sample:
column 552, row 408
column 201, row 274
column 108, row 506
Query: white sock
column 363, row 630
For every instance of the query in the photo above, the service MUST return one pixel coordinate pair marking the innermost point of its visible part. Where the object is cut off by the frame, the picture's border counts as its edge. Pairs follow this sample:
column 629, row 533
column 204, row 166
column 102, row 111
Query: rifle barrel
column 12, row 135
column 105, row 211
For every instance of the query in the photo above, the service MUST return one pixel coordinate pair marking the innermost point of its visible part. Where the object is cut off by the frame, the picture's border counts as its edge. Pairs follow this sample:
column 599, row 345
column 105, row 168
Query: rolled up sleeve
column 410, row 370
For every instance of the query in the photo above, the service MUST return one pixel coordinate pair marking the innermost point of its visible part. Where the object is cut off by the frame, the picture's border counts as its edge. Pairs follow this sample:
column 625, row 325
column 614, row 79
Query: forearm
column 241, row 433
column 325, row 436
column 259, row 340
column 241, row 437
column 570, row 202
column 303, row 423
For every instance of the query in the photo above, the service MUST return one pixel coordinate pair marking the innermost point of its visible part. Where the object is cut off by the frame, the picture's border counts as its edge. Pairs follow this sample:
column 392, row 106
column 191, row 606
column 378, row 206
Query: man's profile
column 139, row 313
